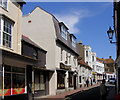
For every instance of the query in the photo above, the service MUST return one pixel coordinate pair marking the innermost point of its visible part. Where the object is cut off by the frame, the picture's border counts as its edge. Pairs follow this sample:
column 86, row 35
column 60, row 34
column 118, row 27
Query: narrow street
column 93, row 94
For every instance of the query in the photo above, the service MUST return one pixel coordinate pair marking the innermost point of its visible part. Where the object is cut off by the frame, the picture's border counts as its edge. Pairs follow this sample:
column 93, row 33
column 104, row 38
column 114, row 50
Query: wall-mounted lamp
column 110, row 33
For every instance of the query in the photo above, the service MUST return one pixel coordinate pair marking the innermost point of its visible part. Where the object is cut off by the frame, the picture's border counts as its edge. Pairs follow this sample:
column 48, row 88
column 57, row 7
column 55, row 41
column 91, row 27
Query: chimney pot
column 110, row 57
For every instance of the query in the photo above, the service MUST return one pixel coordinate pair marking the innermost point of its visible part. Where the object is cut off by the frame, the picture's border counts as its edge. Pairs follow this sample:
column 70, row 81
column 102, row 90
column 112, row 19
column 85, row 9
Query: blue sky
column 89, row 21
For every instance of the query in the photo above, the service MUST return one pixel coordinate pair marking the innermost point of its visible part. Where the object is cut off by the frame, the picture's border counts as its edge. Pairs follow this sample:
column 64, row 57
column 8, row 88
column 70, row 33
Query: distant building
column 109, row 67
column 84, row 73
column 99, row 69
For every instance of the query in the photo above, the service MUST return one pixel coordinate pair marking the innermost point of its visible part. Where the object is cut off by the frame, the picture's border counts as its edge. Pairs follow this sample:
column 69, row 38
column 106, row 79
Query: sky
column 88, row 21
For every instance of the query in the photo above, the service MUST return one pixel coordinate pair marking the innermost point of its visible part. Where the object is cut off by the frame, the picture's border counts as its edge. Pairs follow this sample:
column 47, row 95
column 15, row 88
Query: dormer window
column 73, row 42
column 3, row 3
column 64, row 32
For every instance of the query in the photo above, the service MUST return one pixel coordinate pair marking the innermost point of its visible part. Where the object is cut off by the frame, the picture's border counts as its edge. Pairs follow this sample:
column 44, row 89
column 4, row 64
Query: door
column 74, row 82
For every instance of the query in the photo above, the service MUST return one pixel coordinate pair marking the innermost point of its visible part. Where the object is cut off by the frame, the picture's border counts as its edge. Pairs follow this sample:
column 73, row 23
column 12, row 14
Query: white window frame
column 64, row 32
column 3, row 3
column 73, row 42
column 2, row 30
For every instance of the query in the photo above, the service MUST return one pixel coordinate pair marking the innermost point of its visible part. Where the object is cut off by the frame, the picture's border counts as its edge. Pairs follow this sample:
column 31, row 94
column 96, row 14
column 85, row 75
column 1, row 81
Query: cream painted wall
column 14, row 12
column 41, row 30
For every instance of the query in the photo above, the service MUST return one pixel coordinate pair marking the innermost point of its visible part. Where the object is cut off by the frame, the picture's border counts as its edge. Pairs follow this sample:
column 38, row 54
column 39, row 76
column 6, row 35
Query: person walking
column 87, row 82
column 103, row 90
column 91, row 81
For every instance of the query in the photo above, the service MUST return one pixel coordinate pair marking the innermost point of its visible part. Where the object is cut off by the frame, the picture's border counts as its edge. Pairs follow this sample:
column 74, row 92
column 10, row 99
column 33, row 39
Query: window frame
column 73, row 42
column 6, row 36
column 4, row 4
column 64, row 32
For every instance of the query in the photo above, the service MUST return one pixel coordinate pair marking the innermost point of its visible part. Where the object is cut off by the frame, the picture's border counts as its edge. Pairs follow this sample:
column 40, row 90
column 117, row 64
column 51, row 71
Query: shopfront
column 13, row 75
column 41, row 82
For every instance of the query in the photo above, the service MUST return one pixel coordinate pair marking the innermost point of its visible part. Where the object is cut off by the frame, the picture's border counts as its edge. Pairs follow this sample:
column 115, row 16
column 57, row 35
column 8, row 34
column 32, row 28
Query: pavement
column 65, row 94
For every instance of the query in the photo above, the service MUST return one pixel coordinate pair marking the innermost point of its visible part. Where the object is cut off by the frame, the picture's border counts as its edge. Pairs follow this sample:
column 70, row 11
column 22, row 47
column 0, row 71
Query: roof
column 109, row 61
column 67, row 42
column 101, row 59
column 20, row 2
column 83, row 63
column 28, row 40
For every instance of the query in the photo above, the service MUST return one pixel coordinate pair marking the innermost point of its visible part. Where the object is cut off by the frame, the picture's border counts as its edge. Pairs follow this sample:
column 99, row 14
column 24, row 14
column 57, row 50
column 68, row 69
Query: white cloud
column 72, row 18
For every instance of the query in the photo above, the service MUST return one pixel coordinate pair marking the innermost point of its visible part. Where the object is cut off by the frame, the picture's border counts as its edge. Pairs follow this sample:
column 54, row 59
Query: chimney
column 80, row 42
column 110, row 57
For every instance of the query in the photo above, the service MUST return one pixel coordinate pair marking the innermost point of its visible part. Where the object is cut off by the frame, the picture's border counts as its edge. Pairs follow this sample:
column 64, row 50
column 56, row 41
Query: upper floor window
column 3, row 3
column 86, row 53
column 7, row 33
column 64, row 32
column 93, row 58
column 73, row 42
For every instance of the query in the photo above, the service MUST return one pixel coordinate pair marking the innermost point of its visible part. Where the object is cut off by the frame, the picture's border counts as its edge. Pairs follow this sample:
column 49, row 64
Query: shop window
column 7, row 84
column 39, row 80
column 42, row 83
column 14, row 80
column 70, row 80
column 18, row 81
column 60, row 80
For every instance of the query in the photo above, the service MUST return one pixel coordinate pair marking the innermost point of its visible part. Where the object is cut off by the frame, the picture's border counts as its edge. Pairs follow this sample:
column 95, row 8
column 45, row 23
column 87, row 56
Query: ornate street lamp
column 110, row 33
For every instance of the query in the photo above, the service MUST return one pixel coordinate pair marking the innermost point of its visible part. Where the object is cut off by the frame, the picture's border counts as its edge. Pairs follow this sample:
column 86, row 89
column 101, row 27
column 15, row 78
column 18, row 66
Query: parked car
column 112, row 80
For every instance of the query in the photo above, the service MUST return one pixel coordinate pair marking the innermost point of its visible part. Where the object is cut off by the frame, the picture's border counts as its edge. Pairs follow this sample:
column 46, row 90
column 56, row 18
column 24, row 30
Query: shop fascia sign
column 62, row 66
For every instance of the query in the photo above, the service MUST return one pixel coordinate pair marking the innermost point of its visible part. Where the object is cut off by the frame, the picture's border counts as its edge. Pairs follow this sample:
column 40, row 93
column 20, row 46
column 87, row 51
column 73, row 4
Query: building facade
column 85, row 72
column 99, row 69
column 52, row 35
column 109, row 68
column 13, row 65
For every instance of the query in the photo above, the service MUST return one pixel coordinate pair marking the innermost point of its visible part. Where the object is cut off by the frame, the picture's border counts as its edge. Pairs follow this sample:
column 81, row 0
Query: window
column 3, row 3
column 93, row 67
column 60, row 80
column 64, row 32
column 86, row 62
column 7, row 33
column 86, row 53
column 61, row 53
column 35, row 54
column 93, row 58
column 14, row 79
column 73, row 42
column 39, row 80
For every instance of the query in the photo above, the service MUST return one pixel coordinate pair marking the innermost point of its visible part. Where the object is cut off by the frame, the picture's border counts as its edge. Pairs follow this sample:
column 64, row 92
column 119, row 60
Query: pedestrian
column 91, row 81
column 87, row 82
column 103, row 90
